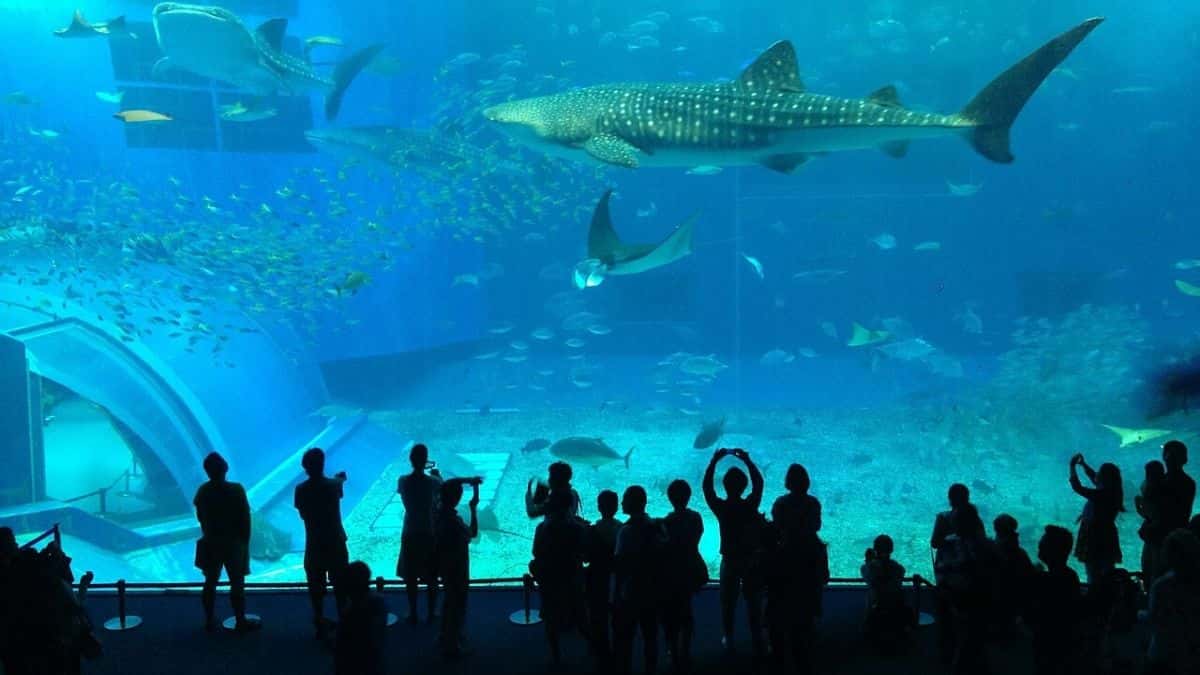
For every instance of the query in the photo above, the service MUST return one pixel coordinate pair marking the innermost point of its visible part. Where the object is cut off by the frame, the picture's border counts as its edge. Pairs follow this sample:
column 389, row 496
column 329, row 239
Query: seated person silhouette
column 319, row 501
column 362, row 635
column 889, row 619
column 224, row 515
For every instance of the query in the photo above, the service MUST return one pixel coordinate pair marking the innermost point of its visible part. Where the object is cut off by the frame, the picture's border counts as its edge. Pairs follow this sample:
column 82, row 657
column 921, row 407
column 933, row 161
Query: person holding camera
column 418, row 491
column 319, row 501
column 1097, row 544
column 740, row 524
column 453, row 559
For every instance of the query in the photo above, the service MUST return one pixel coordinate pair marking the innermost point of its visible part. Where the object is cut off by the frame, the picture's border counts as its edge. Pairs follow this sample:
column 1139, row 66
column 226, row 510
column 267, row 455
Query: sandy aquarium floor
column 875, row 472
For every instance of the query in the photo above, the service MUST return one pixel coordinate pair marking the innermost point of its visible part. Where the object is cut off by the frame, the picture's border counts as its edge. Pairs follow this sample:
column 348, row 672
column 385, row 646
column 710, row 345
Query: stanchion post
column 122, row 621
column 527, row 615
column 923, row 618
column 392, row 619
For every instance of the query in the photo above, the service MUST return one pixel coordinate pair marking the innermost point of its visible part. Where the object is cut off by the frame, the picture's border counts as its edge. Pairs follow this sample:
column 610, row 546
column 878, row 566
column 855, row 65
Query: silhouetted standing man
column 739, row 522
column 318, row 500
column 638, row 557
column 419, row 492
column 1180, row 488
column 224, row 515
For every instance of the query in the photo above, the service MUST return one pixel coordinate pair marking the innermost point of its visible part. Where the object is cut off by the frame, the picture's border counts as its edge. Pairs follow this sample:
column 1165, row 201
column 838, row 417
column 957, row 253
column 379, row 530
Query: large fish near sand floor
column 766, row 117
column 213, row 42
column 592, row 452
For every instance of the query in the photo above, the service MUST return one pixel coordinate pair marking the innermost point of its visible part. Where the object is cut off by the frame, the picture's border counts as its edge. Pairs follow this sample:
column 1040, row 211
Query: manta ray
column 608, row 255
column 213, row 42
column 81, row 28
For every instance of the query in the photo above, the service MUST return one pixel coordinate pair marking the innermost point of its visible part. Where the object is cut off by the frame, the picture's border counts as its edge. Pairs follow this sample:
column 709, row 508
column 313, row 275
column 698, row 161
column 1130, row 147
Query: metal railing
column 54, row 531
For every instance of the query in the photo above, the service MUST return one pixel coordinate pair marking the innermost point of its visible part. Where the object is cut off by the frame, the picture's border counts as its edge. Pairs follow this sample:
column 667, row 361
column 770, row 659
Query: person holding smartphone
column 454, row 559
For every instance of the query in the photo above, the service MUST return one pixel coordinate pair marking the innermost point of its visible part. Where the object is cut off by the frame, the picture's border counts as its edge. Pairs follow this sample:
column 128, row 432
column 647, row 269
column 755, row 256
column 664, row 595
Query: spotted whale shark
column 214, row 42
column 766, row 116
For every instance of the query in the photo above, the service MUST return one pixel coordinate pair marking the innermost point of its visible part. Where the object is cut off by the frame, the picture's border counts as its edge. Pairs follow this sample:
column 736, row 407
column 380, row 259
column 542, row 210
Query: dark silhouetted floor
column 172, row 640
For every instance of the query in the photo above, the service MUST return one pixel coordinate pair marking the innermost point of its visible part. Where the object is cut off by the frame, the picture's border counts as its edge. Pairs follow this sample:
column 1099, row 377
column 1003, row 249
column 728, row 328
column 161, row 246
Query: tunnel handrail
column 54, row 531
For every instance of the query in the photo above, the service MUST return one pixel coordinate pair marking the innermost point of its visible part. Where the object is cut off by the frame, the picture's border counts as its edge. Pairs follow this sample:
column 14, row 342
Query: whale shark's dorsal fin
column 886, row 96
column 775, row 69
column 272, row 31
column 603, row 242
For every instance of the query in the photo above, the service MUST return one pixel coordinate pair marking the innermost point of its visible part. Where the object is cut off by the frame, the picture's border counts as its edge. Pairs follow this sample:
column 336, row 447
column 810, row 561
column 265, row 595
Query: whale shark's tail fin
column 344, row 73
column 994, row 109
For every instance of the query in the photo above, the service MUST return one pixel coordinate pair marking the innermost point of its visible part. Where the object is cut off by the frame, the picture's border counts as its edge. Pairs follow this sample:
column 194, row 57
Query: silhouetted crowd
column 619, row 583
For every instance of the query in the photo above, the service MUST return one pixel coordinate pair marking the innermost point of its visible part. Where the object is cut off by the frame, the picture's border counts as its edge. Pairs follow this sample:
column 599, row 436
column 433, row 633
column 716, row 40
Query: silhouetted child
column 319, row 501
column 454, row 560
column 1054, row 604
column 638, row 575
column 418, row 491
column 601, row 547
column 740, row 525
column 362, row 634
column 224, row 515
column 685, row 572
column 557, row 565
column 1097, row 545
column 537, row 494
column 1013, row 572
column 1151, row 504
column 888, row 618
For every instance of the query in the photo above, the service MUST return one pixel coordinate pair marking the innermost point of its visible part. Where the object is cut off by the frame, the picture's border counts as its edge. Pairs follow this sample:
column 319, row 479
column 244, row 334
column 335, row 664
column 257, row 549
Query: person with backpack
column 963, row 570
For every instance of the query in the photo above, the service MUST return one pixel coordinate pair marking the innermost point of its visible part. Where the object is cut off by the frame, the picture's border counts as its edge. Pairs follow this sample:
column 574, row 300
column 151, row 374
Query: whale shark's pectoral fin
column 774, row 69
column 272, row 32
column 611, row 149
column 786, row 163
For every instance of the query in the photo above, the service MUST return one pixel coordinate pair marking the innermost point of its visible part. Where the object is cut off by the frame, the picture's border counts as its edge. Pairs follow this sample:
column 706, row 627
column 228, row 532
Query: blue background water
column 1098, row 206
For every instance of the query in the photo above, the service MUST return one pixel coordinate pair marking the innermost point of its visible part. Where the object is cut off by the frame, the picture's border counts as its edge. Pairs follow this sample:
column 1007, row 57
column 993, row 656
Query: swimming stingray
column 608, row 255
column 81, row 28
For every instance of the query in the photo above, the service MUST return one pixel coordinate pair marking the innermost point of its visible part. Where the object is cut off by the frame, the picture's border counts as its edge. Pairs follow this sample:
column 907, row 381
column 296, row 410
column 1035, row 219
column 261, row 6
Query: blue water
column 463, row 259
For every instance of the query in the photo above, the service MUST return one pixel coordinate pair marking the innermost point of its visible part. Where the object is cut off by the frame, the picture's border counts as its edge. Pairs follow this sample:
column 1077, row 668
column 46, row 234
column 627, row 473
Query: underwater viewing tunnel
column 107, row 430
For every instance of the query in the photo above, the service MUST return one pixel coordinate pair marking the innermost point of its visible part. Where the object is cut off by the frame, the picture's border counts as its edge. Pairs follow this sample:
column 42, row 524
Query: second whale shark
column 214, row 42
column 766, row 116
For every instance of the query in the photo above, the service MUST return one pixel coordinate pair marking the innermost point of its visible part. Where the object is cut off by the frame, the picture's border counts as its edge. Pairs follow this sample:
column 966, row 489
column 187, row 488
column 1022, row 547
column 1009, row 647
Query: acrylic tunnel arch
column 169, row 406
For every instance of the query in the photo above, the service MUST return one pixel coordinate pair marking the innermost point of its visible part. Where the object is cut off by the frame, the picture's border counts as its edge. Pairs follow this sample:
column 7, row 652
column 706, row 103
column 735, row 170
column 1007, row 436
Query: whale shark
column 607, row 255
column 214, row 42
column 766, row 116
